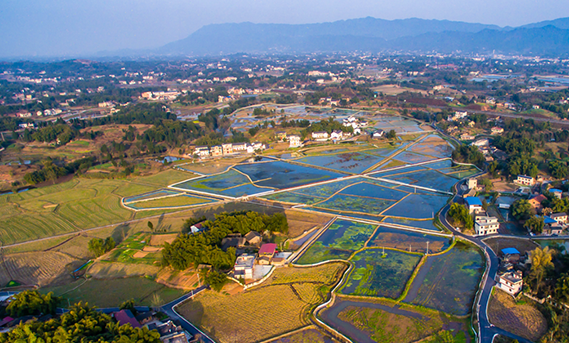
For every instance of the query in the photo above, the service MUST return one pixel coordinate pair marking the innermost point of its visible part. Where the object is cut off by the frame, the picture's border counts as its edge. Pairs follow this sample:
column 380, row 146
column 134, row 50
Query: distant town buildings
column 227, row 149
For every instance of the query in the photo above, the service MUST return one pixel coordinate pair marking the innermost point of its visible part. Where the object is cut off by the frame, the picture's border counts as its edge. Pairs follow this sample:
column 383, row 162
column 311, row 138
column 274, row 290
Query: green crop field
column 74, row 205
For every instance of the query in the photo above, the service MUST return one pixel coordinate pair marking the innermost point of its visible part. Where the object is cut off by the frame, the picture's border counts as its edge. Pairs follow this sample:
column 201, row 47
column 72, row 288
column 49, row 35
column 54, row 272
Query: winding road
column 487, row 331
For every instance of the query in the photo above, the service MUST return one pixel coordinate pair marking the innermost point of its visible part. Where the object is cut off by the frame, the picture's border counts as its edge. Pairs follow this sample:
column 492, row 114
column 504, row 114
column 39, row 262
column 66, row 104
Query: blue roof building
column 510, row 251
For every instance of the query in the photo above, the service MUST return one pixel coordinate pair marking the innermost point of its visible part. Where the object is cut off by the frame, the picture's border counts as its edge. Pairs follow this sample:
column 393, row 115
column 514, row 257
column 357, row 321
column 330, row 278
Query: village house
column 267, row 252
column 496, row 130
column 559, row 217
column 253, row 238
column 227, row 148
column 244, row 266
column 472, row 183
column 239, row 147
column 556, row 192
column 201, row 151
column 233, row 240
column 281, row 135
column 481, row 142
column 170, row 332
column 378, row 134
column 320, row 136
column 525, row 180
column 467, row 137
column 337, row 135
column 536, row 201
column 216, row 150
column 484, row 225
column 473, row 204
column 294, row 141
column 511, row 282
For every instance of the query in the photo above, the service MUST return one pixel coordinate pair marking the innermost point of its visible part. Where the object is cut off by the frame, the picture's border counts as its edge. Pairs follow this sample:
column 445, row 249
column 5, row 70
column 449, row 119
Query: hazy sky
column 67, row 27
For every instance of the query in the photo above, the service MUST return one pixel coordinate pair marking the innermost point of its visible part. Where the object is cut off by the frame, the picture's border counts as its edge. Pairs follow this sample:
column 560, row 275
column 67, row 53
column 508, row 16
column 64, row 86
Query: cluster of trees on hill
column 62, row 133
column 81, row 324
column 205, row 248
column 468, row 154
column 32, row 303
column 326, row 125
column 51, row 171
column 99, row 246
column 460, row 216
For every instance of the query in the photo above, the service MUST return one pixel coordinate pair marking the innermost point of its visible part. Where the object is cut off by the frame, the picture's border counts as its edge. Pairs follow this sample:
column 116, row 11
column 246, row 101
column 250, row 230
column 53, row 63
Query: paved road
column 170, row 310
column 487, row 331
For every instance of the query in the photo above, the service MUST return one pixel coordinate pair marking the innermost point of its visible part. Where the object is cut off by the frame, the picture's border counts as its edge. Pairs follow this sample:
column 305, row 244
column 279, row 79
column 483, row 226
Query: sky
column 38, row 28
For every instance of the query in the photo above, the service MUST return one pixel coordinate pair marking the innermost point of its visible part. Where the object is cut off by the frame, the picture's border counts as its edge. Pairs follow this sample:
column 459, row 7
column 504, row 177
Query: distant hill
column 354, row 34
column 375, row 35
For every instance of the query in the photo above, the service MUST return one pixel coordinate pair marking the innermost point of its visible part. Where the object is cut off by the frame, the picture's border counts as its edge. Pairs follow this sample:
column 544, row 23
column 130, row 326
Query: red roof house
column 268, row 249
column 126, row 317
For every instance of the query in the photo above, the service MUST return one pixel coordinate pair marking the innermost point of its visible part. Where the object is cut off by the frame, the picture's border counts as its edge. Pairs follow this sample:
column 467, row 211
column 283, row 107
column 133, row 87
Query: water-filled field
column 451, row 280
column 230, row 183
column 279, row 174
column 433, row 145
column 411, row 157
column 347, row 203
column 150, row 195
column 351, row 162
column 425, row 178
column 411, row 241
column 340, row 240
column 376, row 274
column 417, row 206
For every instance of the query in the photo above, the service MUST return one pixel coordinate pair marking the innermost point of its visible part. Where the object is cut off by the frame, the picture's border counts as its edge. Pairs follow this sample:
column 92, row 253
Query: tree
column 488, row 185
column 128, row 305
column 81, row 324
column 540, row 262
column 535, row 224
column 521, row 209
column 391, row 134
column 562, row 288
column 150, row 225
column 32, row 302
column 98, row 246
column 557, row 169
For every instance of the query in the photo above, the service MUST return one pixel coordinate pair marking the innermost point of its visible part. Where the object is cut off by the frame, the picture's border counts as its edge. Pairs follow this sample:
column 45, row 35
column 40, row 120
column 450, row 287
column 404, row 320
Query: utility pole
column 427, row 253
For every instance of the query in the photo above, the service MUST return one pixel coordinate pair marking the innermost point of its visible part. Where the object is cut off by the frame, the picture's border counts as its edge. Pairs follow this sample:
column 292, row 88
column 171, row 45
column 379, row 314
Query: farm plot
column 417, row 206
column 280, row 305
column 451, row 281
column 71, row 206
column 397, row 172
column 293, row 197
column 35, row 268
column 150, row 195
column 378, row 321
column 281, row 174
column 409, row 240
column 433, row 145
column 310, row 334
column 399, row 124
column 376, row 274
column 411, row 157
column 339, row 241
column 425, row 178
column 230, row 183
column 133, row 250
column 354, row 204
column 140, row 289
column 352, row 162
column 180, row 200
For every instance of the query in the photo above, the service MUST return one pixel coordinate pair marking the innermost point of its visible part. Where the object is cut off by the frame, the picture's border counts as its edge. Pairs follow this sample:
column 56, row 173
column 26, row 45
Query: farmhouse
column 496, row 130
column 294, row 141
column 472, row 183
column 126, row 317
column 281, row 135
column 267, row 252
column 484, row 225
column 336, row 135
column 227, row 148
column 253, row 238
column 216, row 150
column 233, row 241
column 559, row 217
column 510, row 255
column 467, row 137
column 320, row 136
column 378, row 134
column 201, row 151
column 244, row 266
column 510, row 282
column 474, row 204
column 525, row 180
column 536, row 201
column 557, row 192
column 170, row 332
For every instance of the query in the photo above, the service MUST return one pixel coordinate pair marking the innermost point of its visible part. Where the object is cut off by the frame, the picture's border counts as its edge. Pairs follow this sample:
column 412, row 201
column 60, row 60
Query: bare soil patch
column 159, row 240
column 523, row 318
column 299, row 222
